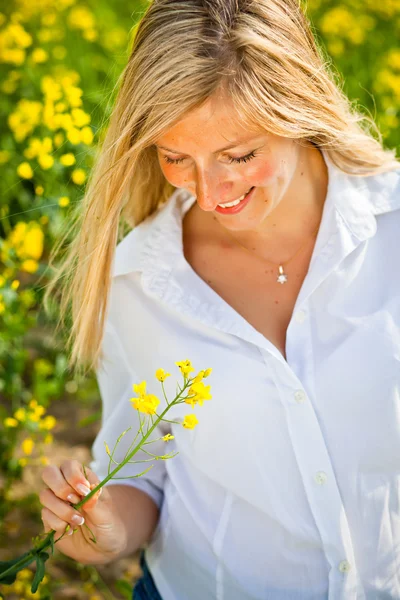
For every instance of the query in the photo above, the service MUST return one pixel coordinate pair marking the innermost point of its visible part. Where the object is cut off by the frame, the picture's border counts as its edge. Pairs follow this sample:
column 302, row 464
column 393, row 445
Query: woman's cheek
column 172, row 175
column 261, row 174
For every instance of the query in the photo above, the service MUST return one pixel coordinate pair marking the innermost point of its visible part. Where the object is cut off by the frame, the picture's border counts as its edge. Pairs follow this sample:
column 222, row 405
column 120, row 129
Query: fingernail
column 83, row 489
column 78, row 519
column 73, row 498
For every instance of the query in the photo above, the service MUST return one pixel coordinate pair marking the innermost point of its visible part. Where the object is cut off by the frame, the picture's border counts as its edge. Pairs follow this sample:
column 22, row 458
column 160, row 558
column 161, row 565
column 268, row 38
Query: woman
column 289, row 485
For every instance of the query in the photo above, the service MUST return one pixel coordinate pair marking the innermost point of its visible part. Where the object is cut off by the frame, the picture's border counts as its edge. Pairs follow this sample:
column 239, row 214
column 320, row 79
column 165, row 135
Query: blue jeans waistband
column 145, row 588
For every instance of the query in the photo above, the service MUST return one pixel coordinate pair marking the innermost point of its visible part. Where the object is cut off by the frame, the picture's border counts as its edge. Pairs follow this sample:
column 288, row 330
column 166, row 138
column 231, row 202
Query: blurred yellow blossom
column 27, row 446
column 67, row 159
column 87, row 136
column 46, row 161
column 23, row 462
column 44, row 460
column 48, row 422
column 30, row 265
column 63, row 201
column 39, row 55
column 27, row 239
column 24, row 170
column 58, row 139
column 190, row 422
column 74, row 136
column 168, row 437
column 48, row 439
column 79, row 117
column 15, row 284
column 24, row 118
column 39, row 189
column 10, row 422
column 80, row 17
column 78, row 176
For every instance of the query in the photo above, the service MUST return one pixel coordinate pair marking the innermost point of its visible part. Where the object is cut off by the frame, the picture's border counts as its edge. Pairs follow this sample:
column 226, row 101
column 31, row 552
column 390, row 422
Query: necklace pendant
column 282, row 277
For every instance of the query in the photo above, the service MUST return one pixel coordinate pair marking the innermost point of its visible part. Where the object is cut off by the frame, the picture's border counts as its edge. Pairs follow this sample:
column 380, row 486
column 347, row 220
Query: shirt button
column 299, row 396
column 321, row 477
column 344, row 566
column 300, row 316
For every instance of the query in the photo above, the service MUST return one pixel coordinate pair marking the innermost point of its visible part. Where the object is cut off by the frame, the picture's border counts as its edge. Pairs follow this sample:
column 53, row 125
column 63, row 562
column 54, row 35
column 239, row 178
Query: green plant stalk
column 29, row 556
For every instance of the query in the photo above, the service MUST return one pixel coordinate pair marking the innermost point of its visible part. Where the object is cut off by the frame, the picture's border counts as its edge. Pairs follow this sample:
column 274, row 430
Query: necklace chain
column 282, row 276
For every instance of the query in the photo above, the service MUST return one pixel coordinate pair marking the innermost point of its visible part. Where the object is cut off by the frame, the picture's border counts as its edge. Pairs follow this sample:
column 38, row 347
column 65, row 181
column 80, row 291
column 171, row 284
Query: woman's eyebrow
column 233, row 145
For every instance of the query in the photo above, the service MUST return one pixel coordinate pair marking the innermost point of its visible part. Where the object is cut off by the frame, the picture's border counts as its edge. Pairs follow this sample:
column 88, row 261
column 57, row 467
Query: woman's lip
column 238, row 208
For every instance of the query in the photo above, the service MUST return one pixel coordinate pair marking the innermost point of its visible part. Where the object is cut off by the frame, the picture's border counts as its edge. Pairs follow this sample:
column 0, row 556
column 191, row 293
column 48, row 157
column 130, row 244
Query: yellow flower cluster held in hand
column 192, row 392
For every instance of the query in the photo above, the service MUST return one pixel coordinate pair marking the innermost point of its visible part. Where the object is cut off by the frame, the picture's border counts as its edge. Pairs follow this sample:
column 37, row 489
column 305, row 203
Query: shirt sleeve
column 115, row 378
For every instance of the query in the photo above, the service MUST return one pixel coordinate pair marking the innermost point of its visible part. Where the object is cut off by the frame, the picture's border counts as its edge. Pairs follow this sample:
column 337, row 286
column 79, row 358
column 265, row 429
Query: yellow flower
column 20, row 414
column 10, row 422
column 198, row 393
column 162, row 375
column 15, row 284
column 39, row 55
column 190, row 422
column 78, row 176
column 140, row 388
column 46, row 161
column 44, row 219
column 168, row 437
column 30, row 265
column 79, row 117
column 67, row 159
column 2, row 307
column 39, row 411
column 73, row 135
column 2, row 281
column 48, row 422
column 87, row 136
column 185, row 367
column 24, row 170
column 63, row 201
column 44, row 460
column 23, row 462
column 48, row 439
column 58, row 139
column 39, row 189
column 27, row 446
column 27, row 239
column 107, row 449
column 146, row 404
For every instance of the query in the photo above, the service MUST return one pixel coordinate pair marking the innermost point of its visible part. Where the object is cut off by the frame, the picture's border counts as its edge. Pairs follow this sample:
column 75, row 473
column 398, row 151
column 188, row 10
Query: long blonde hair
column 263, row 54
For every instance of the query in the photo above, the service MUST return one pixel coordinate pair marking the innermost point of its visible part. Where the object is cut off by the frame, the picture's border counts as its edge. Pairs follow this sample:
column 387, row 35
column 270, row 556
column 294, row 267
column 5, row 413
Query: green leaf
column 124, row 588
column 5, row 565
column 40, row 570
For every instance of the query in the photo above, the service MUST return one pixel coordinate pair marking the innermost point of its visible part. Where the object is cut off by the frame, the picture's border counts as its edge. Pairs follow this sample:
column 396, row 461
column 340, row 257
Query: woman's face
column 193, row 155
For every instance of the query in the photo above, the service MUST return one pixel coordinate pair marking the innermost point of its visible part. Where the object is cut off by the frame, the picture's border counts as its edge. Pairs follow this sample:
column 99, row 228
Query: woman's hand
column 64, row 489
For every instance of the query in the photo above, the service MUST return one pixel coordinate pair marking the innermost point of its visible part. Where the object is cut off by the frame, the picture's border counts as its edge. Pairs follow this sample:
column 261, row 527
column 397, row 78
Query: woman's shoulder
column 128, row 252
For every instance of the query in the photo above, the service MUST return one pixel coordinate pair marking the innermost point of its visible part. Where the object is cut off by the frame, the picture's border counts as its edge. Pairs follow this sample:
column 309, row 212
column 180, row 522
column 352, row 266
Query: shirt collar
column 155, row 245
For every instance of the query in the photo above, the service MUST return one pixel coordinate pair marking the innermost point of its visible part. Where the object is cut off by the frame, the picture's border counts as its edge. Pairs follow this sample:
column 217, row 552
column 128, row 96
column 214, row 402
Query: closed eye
column 232, row 159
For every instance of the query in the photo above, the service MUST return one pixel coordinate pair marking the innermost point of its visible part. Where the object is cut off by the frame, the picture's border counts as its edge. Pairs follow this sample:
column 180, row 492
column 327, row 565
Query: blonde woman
column 264, row 221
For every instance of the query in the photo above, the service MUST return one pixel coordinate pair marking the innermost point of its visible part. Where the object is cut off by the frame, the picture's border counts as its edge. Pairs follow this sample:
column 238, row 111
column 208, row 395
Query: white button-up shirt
column 289, row 486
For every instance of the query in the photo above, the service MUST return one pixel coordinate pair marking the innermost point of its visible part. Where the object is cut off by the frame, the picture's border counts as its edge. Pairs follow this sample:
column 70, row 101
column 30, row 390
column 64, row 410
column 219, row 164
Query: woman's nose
column 209, row 193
